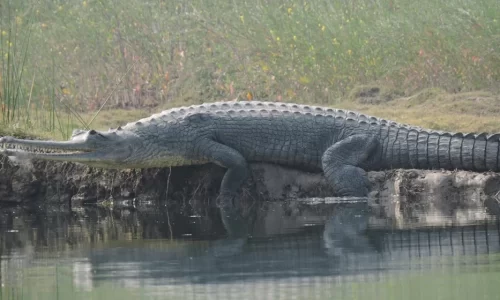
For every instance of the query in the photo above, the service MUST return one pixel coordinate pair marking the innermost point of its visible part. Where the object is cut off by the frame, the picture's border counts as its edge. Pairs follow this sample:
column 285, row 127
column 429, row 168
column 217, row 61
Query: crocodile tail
column 409, row 147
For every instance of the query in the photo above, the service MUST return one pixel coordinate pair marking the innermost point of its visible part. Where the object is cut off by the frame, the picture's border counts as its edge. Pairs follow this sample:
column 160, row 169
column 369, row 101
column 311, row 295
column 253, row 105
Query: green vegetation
column 63, row 61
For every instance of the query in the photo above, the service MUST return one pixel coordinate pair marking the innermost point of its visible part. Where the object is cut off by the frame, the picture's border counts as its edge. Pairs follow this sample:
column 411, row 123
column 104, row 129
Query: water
column 292, row 250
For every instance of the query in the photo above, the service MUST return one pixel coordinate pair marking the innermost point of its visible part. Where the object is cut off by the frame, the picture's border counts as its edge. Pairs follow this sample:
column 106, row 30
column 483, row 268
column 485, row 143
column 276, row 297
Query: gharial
column 343, row 144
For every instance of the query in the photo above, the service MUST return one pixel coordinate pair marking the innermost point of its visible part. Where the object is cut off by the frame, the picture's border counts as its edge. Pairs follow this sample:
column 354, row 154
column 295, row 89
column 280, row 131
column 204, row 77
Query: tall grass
column 19, row 105
column 149, row 53
column 13, row 53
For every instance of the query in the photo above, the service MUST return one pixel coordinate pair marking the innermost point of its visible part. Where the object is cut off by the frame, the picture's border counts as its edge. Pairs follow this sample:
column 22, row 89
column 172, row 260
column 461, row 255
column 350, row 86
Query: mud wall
column 397, row 193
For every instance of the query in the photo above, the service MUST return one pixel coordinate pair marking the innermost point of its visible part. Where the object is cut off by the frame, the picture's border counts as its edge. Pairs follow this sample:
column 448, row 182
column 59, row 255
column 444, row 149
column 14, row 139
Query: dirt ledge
column 398, row 193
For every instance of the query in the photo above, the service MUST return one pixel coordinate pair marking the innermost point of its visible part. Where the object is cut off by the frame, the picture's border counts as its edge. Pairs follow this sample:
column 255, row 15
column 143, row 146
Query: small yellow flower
column 249, row 96
column 323, row 28
column 278, row 38
column 84, row 3
column 242, row 19
column 349, row 52
column 4, row 33
column 294, row 37
column 289, row 11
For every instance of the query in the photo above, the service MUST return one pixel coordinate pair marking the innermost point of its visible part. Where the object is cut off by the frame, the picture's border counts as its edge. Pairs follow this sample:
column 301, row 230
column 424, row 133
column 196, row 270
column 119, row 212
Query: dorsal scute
column 364, row 124
column 424, row 132
column 254, row 108
column 494, row 137
column 352, row 114
column 482, row 136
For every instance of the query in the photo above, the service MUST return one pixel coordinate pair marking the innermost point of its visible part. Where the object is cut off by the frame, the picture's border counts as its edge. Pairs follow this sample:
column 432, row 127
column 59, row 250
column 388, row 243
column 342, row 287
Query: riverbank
column 396, row 194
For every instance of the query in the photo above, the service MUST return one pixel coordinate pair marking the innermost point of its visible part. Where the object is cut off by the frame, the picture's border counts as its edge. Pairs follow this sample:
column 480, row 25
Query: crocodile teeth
column 16, row 147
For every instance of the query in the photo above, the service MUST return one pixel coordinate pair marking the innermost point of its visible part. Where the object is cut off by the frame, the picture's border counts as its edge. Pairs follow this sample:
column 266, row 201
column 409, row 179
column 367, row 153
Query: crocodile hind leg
column 343, row 161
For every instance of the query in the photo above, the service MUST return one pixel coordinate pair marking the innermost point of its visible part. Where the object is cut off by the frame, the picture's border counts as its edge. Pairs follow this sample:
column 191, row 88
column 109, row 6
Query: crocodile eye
column 92, row 132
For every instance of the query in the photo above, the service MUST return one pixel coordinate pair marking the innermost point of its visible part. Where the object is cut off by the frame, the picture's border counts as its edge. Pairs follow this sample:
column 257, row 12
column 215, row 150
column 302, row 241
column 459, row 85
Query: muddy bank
column 397, row 193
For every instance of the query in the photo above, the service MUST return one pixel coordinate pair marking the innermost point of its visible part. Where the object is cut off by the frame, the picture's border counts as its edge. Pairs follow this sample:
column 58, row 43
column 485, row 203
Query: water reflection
column 274, row 243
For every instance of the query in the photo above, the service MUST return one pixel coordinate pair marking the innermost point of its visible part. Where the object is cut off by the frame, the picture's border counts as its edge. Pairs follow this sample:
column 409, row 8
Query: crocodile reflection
column 155, row 246
column 248, row 251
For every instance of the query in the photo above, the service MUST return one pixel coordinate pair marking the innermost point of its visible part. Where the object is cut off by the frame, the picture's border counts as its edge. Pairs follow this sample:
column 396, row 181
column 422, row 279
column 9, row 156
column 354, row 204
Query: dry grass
column 432, row 108
column 437, row 109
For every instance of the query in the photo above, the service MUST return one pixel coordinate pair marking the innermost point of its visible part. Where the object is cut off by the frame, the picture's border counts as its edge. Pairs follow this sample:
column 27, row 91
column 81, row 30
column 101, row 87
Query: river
column 301, row 250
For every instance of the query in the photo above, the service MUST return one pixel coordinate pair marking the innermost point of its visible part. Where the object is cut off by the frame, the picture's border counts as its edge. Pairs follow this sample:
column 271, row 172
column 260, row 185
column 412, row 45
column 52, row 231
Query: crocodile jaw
column 74, row 151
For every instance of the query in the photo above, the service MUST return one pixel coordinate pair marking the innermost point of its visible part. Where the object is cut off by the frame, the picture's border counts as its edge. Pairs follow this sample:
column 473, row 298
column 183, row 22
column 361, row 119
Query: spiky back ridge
column 261, row 108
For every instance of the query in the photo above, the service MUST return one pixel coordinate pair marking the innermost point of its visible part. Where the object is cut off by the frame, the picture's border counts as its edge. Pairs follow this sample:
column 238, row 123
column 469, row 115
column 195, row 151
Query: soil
column 396, row 194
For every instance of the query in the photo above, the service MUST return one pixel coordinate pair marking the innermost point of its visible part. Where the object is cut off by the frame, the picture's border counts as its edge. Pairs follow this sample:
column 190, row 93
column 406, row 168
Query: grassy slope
column 81, row 55
column 435, row 109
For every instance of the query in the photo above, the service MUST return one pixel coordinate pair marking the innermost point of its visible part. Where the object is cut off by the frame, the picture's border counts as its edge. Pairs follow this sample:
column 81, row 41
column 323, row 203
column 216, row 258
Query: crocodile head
column 111, row 149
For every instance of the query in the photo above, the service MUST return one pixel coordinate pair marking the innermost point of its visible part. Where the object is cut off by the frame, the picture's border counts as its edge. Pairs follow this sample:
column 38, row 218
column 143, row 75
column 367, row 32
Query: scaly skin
column 342, row 144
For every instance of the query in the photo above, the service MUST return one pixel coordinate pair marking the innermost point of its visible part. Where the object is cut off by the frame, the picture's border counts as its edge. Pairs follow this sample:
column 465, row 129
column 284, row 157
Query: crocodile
column 342, row 144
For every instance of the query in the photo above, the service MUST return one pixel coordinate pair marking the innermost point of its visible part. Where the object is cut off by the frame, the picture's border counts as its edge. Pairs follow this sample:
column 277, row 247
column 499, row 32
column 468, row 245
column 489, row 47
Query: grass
column 69, row 59
column 436, row 109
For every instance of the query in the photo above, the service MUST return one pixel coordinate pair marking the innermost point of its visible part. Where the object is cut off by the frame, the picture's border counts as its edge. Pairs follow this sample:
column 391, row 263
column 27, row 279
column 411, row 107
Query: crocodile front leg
column 237, row 170
column 342, row 164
